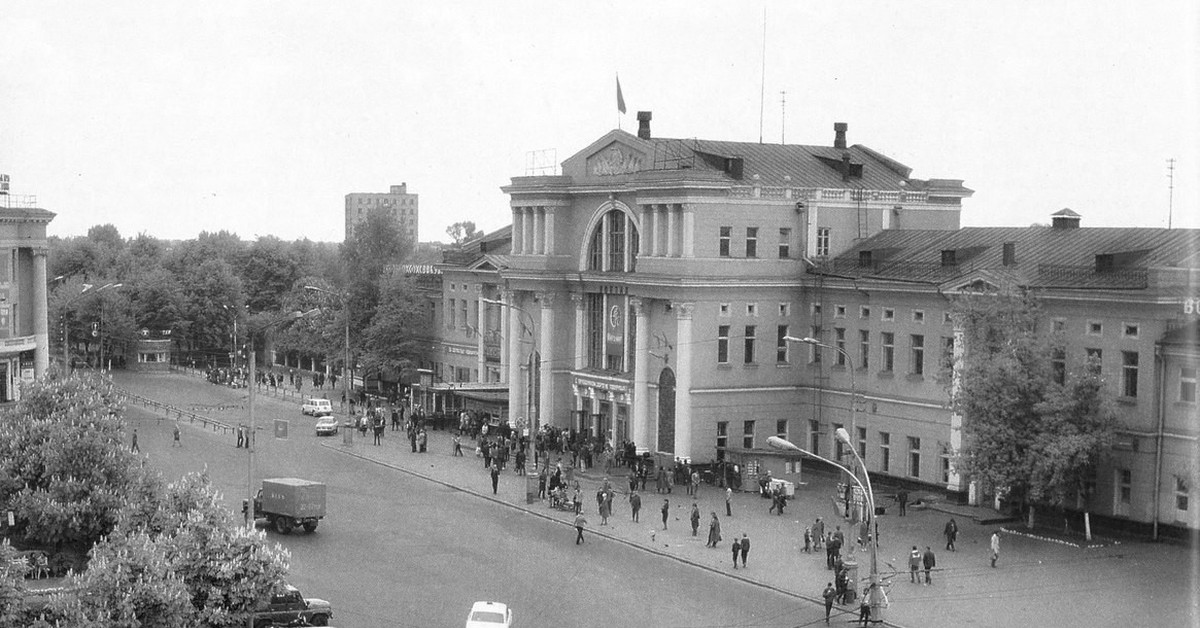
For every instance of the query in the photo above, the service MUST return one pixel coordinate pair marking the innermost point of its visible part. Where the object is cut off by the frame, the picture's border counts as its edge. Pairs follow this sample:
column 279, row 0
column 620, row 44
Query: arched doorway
column 666, row 411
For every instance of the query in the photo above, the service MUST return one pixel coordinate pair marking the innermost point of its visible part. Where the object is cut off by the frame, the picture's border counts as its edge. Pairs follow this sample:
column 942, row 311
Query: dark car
column 289, row 607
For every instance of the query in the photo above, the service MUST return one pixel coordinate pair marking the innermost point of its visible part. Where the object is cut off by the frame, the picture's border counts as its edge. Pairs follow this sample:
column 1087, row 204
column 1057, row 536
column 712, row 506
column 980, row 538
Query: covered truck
column 290, row 502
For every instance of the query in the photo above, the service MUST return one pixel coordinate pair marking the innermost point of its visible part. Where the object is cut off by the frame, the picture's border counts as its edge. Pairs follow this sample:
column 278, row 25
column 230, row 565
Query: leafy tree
column 212, row 301
column 377, row 243
column 268, row 269
column 391, row 342
column 462, row 231
column 1024, row 433
column 12, row 585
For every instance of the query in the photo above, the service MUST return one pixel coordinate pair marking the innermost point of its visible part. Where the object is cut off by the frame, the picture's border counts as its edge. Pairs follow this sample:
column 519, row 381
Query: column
column 480, row 334
column 516, row 387
column 549, row 354
column 641, row 431
column 41, row 333
column 671, row 239
column 652, row 228
column 518, row 227
column 549, row 235
column 506, row 356
column 581, row 348
column 689, row 222
column 683, row 380
column 526, row 229
column 539, row 242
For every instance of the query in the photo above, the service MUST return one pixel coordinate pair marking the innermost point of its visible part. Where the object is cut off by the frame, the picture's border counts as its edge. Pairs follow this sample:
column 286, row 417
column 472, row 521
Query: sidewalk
column 1036, row 582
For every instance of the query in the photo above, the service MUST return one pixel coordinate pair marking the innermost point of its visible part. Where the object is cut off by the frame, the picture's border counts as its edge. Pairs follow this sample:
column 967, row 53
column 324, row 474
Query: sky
column 173, row 118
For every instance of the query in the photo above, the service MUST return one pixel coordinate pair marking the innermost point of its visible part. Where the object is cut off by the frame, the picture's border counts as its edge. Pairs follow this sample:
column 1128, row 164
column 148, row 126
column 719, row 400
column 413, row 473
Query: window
column 885, row 451
column 1058, row 365
column 781, row 345
column 1059, row 325
column 616, row 240
column 918, row 316
column 888, row 344
column 751, row 309
column 723, row 344
column 864, row 311
column 814, row 437
column 889, row 314
column 839, row 341
column 947, row 318
column 914, row 457
column 1124, row 486
column 749, row 345
column 751, row 241
column 781, row 428
column 1130, row 330
column 822, row 242
column 945, row 465
column 785, row 309
column 839, row 311
column 463, row 311
column 839, row 448
column 947, row 352
column 918, row 355
column 1095, row 328
column 614, row 244
column 1129, row 373
column 748, row 434
column 722, row 434
column 1181, row 498
column 864, row 348
column 1187, row 385
column 816, row 310
column 451, row 313
column 814, row 355
column 723, row 242
column 862, row 443
column 1095, row 359
column 723, row 310
column 785, row 242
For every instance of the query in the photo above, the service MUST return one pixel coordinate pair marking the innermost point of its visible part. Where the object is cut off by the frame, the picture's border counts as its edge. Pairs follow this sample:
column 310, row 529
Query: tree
column 462, row 231
column 1025, row 433
column 212, row 300
column 391, row 342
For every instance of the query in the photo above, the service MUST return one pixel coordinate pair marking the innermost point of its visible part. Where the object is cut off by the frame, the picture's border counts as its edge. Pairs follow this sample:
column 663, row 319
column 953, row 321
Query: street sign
column 281, row 429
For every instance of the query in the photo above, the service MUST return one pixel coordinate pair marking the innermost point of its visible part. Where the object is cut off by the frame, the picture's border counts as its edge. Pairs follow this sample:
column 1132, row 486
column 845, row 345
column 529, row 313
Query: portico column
column 683, row 380
column 549, row 234
column 689, row 217
column 516, row 388
column 539, row 240
column 41, row 333
column 518, row 231
column 546, row 346
column 480, row 333
column 672, row 242
column 581, row 348
column 641, row 377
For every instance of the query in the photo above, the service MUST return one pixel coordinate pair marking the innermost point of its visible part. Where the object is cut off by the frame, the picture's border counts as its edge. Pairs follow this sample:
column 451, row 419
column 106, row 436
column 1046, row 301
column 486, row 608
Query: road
column 400, row 551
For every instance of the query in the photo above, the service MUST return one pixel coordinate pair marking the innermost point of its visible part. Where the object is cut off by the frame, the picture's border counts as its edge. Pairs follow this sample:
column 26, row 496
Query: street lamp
column 87, row 289
column 346, row 313
column 875, row 592
column 233, row 313
column 534, row 405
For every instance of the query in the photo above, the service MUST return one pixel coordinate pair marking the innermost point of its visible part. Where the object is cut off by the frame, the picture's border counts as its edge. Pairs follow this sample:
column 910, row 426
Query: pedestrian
column 902, row 499
column 605, row 507
column 580, row 521
column 666, row 510
column 818, row 533
column 864, row 606
column 928, row 561
column 828, row 594
column 422, row 441
column 134, row 448
column 914, row 563
column 543, row 475
column 714, row 531
column 951, row 533
column 728, row 502
column 458, row 452
column 695, row 483
column 578, row 499
column 635, row 504
column 175, row 434
column 745, row 548
column 241, row 437
column 808, row 540
column 995, row 535
column 695, row 518
column 495, row 478
column 737, row 548
column 377, row 430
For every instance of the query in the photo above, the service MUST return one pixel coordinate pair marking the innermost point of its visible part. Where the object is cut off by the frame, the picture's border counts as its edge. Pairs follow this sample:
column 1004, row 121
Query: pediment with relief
column 614, row 159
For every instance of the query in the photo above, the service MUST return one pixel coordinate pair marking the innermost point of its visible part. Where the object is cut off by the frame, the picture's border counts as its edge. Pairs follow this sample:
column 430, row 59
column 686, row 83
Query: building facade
column 397, row 202
column 24, row 329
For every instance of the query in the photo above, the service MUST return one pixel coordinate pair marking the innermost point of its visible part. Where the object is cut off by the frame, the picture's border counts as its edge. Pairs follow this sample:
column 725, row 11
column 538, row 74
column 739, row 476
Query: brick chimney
column 643, row 118
column 839, row 134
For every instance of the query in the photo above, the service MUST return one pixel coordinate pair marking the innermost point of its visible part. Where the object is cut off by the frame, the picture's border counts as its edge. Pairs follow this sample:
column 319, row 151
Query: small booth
column 744, row 468
column 152, row 355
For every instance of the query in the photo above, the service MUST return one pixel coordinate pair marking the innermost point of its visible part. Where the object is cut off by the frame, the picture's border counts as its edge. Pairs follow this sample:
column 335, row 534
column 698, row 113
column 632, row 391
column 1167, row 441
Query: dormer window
column 949, row 257
column 864, row 258
column 1105, row 262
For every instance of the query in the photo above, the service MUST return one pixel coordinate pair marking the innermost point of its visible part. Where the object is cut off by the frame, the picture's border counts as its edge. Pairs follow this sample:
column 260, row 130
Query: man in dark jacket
column 928, row 561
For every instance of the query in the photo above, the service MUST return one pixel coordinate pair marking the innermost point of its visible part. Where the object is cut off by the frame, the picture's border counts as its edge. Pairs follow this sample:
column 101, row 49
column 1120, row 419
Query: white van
column 316, row 406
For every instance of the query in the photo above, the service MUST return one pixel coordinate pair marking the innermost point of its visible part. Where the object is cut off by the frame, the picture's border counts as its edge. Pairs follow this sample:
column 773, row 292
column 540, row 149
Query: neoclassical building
column 24, row 330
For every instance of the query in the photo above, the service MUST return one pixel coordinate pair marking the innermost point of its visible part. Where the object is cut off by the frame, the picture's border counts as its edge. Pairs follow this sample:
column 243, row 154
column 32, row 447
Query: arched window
column 614, row 244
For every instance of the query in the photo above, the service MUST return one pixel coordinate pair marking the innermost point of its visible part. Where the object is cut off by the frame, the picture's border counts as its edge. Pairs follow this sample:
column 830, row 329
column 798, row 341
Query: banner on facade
column 614, row 328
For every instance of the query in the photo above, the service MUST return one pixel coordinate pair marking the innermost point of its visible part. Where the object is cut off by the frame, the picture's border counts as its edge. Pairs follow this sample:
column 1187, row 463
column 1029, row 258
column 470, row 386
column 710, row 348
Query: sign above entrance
column 599, row 385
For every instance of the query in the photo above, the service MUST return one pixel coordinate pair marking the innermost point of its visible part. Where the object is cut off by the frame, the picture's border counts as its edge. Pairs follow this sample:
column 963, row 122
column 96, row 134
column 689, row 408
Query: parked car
column 490, row 615
column 290, row 607
column 327, row 426
column 316, row 406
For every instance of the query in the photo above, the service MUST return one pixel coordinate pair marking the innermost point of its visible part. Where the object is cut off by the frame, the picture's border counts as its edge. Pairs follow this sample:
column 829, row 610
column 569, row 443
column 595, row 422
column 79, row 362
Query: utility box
column 290, row 502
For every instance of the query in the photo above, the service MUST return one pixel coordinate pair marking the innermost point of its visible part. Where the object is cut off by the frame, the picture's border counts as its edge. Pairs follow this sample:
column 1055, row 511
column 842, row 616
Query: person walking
column 175, row 435
column 422, row 440
column 745, row 548
column 737, row 549
column 728, row 502
column 808, row 540
column 135, row 449
column 496, row 478
column 666, row 511
column 714, row 531
column 828, row 594
column 914, row 564
column 695, row 518
column 241, row 437
column 995, row 535
column 902, row 499
column 458, row 452
column 928, row 561
column 818, row 533
column 695, row 483
column 951, row 533
column 635, row 504
column 580, row 521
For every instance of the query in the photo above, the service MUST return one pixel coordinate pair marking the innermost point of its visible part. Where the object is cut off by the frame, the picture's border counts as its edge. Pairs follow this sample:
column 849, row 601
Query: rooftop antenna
column 762, row 88
column 783, row 117
column 1170, row 190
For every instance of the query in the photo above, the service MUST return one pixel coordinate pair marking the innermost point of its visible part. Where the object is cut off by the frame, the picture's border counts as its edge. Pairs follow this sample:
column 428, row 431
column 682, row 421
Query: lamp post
column 341, row 296
column 535, row 419
column 875, row 593
column 87, row 289
column 849, row 367
column 233, row 354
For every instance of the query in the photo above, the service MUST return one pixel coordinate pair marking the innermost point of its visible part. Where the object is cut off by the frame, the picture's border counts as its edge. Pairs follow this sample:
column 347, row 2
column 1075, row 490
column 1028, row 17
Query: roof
column 1188, row 334
column 488, row 246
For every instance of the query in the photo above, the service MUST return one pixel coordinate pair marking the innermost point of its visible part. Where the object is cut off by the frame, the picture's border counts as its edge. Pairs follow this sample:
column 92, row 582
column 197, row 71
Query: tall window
column 947, row 352
column 944, row 460
column 1124, row 486
column 822, row 242
column 722, row 434
column 451, row 313
column 723, row 344
column 1095, row 361
column 885, row 451
column 1187, row 385
column 918, row 355
column 616, row 240
column 785, row 242
column 781, row 344
column 814, row 437
column 864, row 348
column 862, row 442
column 723, row 242
column 815, row 355
column 1058, row 365
column 751, row 241
column 748, row 434
column 595, row 314
column 914, row 456
column 749, row 344
column 614, row 244
column 839, row 341
column 888, row 344
column 781, row 429
column 1181, row 498
column 1129, row 373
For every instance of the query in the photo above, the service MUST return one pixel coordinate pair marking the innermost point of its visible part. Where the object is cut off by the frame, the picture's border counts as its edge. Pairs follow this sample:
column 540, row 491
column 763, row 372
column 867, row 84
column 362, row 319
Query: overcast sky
column 172, row 118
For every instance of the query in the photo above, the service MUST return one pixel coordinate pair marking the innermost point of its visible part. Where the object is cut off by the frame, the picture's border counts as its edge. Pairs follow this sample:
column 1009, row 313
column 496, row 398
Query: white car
column 490, row 615
column 315, row 406
column 327, row 426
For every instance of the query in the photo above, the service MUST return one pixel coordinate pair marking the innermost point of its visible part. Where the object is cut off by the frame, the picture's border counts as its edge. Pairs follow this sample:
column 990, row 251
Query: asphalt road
column 400, row 551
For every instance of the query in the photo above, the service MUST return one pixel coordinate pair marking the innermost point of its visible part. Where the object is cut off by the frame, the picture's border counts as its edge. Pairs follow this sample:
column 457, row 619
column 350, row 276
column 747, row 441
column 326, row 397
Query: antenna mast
column 762, row 88
column 1170, row 190
column 783, row 117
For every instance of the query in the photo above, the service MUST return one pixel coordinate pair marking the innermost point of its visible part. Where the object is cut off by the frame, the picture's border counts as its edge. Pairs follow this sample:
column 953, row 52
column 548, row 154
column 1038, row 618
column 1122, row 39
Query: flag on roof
column 620, row 96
